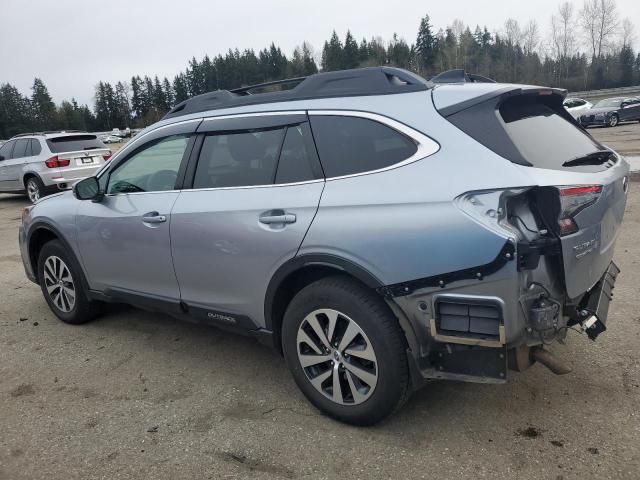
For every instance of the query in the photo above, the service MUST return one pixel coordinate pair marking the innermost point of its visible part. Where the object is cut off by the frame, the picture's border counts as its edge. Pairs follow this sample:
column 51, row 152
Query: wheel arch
column 27, row 175
column 299, row 272
column 41, row 233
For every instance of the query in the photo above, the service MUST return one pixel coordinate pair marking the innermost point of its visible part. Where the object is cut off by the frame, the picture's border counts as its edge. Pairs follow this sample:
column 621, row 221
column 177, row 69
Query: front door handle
column 269, row 218
column 154, row 217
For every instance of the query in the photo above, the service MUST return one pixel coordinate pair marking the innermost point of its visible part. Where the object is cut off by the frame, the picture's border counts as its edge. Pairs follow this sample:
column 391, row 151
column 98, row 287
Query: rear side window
column 36, row 149
column 239, row 159
column 349, row 145
column 74, row 143
column 20, row 149
column 297, row 156
column 543, row 137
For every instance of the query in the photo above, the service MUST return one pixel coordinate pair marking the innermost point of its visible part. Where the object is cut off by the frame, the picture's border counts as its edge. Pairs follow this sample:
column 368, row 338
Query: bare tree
column 628, row 33
column 599, row 21
column 531, row 37
column 512, row 32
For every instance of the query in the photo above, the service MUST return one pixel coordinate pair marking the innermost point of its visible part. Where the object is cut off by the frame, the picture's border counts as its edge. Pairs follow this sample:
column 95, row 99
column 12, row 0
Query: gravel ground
column 140, row 395
column 625, row 138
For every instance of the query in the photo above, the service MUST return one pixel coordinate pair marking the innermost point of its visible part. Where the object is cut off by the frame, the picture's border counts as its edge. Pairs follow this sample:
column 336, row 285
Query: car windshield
column 609, row 102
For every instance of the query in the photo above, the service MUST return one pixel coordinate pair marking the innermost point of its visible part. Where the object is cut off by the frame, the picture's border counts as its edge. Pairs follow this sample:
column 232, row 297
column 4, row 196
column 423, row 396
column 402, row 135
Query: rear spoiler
column 500, row 95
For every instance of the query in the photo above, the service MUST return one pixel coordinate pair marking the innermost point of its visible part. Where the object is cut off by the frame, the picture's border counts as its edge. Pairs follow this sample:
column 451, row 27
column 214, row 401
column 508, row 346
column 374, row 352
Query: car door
column 256, row 184
column 13, row 167
column 634, row 109
column 6, row 152
column 124, row 239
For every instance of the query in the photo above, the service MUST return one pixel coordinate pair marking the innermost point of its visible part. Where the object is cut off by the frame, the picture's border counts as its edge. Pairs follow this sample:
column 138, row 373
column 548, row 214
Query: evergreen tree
column 180, row 88
column 350, row 53
column 42, row 107
column 332, row 53
column 425, row 46
column 137, row 97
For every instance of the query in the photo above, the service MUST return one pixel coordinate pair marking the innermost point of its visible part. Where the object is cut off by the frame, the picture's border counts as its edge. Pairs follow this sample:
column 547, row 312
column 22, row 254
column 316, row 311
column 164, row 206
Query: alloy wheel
column 33, row 191
column 613, row 121
column 337, row 357
column 59, row 284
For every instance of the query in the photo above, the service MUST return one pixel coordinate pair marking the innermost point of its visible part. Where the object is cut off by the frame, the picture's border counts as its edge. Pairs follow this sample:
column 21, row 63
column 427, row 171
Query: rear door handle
column 284, row 218
column 154, row 217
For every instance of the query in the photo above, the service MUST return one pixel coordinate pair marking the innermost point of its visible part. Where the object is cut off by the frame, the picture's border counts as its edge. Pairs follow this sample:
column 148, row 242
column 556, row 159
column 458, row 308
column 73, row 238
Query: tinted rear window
column 349, row 145
column 73, row 143
column 544, row 138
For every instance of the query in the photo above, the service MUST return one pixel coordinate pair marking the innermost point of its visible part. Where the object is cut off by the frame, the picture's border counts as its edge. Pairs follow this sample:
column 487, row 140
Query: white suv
column 41, row 163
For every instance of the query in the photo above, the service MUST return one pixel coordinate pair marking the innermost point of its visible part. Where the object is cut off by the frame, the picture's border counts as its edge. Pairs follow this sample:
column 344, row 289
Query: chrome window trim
column 134, row 142
column 426, row 145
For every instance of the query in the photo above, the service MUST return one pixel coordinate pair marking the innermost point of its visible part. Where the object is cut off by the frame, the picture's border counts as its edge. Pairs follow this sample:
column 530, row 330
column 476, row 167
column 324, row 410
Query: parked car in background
column 576, row 105
column 110, row 139
column 611, row 111
column 42, row 163
column 378, row 230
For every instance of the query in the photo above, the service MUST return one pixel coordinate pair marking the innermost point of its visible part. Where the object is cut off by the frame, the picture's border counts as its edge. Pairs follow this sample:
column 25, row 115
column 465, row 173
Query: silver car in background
column 378, row 230
column 42, row 163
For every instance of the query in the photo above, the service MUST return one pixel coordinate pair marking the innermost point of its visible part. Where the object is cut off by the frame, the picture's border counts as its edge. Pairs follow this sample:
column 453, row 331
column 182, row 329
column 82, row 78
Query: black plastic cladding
column 343, row 83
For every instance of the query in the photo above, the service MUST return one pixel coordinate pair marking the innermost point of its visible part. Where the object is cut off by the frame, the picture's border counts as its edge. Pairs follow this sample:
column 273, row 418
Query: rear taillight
column 107, row 156
column 572, row 201
column 55, row 162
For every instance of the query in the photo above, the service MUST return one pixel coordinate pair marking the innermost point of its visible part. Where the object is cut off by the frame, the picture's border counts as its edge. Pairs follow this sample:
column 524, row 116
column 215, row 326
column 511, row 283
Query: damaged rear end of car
column 557, row 226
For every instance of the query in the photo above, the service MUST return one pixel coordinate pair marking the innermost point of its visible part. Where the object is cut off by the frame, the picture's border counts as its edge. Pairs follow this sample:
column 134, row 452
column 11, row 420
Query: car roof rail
column 341, row 83
column 48, row 132
column 458, row 75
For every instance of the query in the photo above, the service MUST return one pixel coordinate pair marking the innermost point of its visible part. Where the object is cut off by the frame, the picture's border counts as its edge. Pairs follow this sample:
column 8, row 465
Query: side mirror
column 88, row 189
column 624, row 105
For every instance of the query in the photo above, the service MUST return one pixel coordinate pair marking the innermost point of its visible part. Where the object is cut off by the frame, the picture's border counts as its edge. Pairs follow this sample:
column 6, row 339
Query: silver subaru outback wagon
column 377, row 229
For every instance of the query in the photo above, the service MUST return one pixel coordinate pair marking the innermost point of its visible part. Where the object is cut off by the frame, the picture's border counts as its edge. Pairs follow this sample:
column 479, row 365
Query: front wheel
column 346, row 351
column 614, row 120
column 62, row 285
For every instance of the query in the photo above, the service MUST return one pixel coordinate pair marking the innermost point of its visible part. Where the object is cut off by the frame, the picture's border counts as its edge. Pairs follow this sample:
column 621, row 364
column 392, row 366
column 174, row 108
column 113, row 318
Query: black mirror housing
column 88, row 189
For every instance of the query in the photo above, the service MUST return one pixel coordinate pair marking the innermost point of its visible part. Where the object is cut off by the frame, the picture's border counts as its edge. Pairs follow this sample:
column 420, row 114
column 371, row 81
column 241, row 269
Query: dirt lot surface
column 624, row 138
column 140, row 395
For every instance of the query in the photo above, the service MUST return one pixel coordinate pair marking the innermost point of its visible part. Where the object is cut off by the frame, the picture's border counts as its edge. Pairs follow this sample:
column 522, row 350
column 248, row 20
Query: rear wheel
column 614, row 120
column 346, row 351
column 63, row 286
column 34, row 188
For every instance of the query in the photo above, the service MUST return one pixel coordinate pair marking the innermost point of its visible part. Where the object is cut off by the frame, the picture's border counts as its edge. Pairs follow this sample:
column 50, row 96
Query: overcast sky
column 72, row 44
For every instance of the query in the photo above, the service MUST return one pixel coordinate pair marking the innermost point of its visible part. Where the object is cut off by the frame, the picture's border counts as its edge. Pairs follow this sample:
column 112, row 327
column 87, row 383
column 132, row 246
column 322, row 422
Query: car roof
column 343, row 83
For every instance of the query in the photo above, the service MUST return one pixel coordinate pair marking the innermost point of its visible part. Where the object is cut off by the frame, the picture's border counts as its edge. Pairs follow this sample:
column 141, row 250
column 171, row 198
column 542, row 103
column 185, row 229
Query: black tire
column 378, row 323
column 34, row 188
column 82, row 310
column 613, row 121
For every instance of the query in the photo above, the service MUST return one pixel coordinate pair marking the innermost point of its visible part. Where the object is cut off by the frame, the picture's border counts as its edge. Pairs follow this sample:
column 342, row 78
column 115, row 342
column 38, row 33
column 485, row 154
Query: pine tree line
column 516, row 55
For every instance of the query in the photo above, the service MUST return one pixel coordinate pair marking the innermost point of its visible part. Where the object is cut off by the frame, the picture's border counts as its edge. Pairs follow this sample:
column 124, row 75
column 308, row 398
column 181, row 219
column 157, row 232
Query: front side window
column 154, row 168
column 6, row 149
column 349, row 145
column 238, row 159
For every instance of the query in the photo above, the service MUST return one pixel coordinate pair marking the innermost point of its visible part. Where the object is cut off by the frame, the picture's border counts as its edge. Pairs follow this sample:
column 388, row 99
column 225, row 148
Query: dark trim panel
column 507, row 254
column 307, row 260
